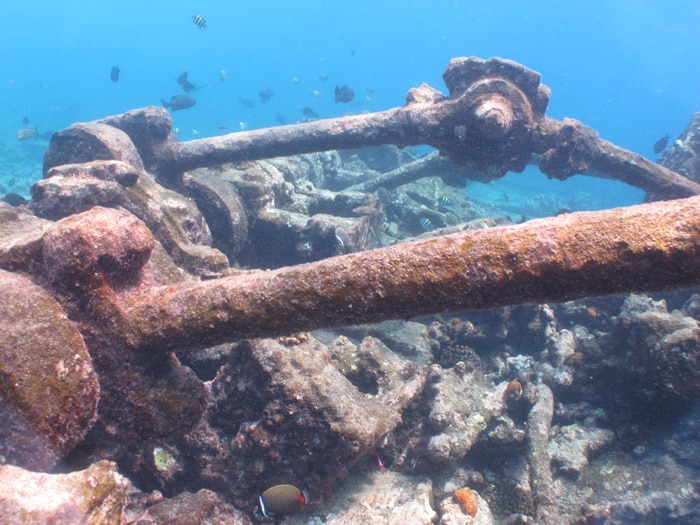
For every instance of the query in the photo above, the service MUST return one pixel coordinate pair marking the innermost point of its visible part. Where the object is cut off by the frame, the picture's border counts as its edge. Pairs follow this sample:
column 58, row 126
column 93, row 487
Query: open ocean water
column 629, row 69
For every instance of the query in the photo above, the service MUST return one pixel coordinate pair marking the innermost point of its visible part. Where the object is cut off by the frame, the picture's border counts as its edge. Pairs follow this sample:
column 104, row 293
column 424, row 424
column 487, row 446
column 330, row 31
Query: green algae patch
column 48, row 387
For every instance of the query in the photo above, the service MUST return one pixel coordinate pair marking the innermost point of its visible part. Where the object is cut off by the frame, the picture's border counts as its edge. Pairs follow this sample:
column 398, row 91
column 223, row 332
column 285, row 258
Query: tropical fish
column 380, row 465
column 281, row 119
column 194, row 133
column 14, row 199
column 114, row 74
column 344, row 94
column 309, row 113
column 247, row 102
column 315, row 93
column 427, row 224
column 265, row 95
column 26, row 133
column 178, row 102
column 660, row 144
column 222, row 128
column 25, row 120
column 186, row 84
column 342, row 237
column 199, row 21
column 323, row 77
column 295, row 80
column 223, row 75
column 506, row 196
column 282, row 500
column 446, row 201
column 177, row 131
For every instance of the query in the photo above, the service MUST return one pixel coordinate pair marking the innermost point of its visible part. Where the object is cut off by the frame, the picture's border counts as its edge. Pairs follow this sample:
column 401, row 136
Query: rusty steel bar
column 641, row 248
column 492, row 122
column 574, row 148
column 357, row 131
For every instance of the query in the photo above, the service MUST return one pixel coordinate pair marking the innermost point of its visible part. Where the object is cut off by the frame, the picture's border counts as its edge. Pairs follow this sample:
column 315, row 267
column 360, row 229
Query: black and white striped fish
column 199, row 21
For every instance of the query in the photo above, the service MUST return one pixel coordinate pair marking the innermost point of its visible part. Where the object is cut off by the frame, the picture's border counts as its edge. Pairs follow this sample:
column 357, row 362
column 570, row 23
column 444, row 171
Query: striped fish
column 199, row 21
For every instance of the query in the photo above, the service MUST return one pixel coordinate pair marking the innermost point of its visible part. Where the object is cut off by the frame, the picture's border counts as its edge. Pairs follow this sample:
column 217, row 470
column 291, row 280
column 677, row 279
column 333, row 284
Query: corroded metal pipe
column 493, row 121
column 641, row 248
column 485, row 123
column 574, row 148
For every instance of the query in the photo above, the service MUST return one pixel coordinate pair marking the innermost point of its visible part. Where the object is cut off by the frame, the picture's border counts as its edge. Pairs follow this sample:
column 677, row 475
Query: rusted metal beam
column 573, row 148
column 493, row 121
column 641, row 248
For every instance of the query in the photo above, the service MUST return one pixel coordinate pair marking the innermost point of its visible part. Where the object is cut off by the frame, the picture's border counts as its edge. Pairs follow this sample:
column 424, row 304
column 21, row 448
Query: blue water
column 630, row 68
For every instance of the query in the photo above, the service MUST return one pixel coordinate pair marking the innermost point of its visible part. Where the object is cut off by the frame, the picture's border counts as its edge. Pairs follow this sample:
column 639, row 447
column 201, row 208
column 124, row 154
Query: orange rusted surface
column 641, row 248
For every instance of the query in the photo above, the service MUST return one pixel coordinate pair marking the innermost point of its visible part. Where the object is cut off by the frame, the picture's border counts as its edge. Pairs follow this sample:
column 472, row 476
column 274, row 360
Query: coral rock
column 20, row 238
column 48, row 388
column 572, row 447
column 93, row 496
column 380, row 499
column 105, row 241
column 186, row 508
column 677, row 363
column 296, row 417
